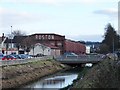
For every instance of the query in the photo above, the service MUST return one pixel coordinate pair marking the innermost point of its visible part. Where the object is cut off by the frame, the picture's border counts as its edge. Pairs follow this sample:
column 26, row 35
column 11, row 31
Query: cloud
column 85, row 37
column 57, row 1
column 108, row 12
column 12, row 17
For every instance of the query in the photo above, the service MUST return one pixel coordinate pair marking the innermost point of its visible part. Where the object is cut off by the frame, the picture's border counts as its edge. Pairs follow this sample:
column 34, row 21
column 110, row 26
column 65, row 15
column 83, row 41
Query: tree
column 18, row 33
column 17, row 37
column 28, row 43
column 111, row 39
column 104, row 49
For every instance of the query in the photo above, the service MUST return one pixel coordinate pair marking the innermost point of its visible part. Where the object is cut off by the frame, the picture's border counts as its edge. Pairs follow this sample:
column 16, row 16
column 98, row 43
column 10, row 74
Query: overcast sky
column 76, row 19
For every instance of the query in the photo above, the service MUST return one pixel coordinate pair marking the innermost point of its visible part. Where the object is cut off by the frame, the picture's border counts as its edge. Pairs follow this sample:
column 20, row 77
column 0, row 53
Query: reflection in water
column 54, row 81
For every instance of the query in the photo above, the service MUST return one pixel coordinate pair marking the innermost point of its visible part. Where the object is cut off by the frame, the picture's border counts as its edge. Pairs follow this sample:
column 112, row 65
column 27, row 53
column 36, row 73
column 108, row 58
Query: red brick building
column 76, row 47
column 60, row 42
column 52, row 39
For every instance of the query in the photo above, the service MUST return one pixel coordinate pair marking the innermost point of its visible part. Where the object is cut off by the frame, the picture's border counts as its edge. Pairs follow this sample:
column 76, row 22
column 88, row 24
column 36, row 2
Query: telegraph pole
column 113, row 45
column 11, row 39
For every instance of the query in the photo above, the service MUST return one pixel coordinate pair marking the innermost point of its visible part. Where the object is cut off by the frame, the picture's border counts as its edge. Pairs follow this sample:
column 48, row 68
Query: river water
column 56, row 81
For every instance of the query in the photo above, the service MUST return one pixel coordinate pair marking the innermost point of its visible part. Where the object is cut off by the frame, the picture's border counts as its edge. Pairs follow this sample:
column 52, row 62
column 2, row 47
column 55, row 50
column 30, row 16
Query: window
column 59, row 44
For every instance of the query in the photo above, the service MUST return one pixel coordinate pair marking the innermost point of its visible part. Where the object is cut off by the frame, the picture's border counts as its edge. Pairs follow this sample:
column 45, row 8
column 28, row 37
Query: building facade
column 51, row 39
column 56, row 44
column 75, row 47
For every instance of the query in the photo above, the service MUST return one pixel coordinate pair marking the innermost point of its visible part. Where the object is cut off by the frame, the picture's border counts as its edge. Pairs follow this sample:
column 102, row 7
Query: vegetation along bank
column 104, row 75
column 17, row 75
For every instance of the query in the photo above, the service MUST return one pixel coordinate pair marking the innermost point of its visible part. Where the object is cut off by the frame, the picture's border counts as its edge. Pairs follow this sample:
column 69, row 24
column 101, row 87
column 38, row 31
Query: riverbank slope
column 17, row 75
column 104, row 75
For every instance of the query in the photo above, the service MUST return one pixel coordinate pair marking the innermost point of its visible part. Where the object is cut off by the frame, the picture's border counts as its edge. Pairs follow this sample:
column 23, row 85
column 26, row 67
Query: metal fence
column 82, row 58
column 23, row 61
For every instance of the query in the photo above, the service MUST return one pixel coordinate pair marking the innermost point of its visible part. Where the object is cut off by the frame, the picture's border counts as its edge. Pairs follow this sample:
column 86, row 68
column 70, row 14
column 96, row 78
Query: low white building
column 55, row 51
column 45, row 50
column 40, row 49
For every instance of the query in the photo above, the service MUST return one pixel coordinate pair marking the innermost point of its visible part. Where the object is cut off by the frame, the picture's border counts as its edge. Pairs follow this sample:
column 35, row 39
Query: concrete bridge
column 82, row 59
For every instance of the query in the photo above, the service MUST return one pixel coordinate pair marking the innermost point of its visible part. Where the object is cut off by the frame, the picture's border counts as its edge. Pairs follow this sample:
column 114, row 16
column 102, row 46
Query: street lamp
column 11, row 39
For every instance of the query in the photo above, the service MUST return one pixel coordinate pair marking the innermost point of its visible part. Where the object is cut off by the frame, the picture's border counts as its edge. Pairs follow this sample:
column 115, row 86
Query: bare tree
column 28, row 43
column 18, row 33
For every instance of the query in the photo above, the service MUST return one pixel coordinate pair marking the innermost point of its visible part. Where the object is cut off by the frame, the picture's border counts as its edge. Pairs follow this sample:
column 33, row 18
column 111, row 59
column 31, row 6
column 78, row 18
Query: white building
column 40, row 49
column 88, row 49
column 45, row 50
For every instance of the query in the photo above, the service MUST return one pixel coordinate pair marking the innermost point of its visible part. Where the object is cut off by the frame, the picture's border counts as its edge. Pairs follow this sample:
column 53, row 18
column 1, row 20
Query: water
column 56, row 81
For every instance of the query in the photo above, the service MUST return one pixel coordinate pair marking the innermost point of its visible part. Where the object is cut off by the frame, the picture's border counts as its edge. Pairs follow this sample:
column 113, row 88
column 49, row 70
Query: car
column 9, row 57
column 39, row 55
column 1, row 55
column 24, row 56
column 70, row 55
column 28, row 56
column 17, row 56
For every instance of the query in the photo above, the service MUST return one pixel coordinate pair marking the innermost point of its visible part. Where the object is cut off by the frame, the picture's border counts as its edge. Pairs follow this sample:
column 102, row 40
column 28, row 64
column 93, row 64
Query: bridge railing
column 80, row 58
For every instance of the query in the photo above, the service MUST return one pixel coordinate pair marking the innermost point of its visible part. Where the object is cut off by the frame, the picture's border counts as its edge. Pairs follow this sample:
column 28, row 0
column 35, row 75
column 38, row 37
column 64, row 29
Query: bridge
column 82, row 59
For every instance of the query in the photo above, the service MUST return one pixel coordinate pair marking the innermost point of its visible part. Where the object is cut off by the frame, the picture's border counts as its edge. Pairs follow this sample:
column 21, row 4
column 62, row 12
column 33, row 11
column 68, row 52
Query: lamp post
column 11, row 39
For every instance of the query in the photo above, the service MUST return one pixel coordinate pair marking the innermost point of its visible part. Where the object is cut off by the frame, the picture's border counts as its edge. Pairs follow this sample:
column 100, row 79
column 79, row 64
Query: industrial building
column 54, row 42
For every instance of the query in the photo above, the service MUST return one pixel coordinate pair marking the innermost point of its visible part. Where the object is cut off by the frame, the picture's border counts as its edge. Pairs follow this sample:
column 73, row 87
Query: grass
column 104, row 75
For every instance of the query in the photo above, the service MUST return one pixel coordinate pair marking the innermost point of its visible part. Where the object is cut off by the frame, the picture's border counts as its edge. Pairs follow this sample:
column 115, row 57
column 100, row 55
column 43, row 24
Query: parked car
column 24, row 56
column 70, row 55
column 39, row 55
column 1, row 55
column 28, row 56
column 9, row 57
column 17, row 56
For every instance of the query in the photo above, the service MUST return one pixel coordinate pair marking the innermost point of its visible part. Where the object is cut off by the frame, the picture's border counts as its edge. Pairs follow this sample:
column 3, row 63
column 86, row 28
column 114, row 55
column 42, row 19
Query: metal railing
column 81, row 58
column 23, row 61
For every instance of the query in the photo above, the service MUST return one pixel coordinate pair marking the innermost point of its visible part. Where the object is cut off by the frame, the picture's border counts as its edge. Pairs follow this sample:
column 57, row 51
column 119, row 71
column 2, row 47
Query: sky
column 76, row 19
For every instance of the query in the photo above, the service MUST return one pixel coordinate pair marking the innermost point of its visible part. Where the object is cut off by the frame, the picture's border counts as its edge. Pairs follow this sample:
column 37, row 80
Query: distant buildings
column 92, row 47
column 45, row 43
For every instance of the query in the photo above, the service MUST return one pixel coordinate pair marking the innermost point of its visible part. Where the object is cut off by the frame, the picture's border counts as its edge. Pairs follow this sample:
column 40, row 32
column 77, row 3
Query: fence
column 79, row 59
column 23, row 61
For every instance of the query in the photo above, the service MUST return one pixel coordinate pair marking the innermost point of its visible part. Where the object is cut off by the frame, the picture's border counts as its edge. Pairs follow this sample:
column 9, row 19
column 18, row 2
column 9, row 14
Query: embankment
column 104, row 75
column 17, row 75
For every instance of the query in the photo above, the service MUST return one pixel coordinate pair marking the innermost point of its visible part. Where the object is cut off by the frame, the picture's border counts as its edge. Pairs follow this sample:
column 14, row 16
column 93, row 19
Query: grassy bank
column 17, row 75
column 104, row 75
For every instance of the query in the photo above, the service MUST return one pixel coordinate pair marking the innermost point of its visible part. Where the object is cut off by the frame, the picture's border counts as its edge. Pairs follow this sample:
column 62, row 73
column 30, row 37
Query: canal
column 57, row 81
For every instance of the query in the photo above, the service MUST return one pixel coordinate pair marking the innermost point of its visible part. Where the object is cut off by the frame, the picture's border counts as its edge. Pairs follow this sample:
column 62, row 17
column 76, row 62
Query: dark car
column 9, row 57
column 1, row 55
column 17, row 56
column 25, row 56
column 70, row 55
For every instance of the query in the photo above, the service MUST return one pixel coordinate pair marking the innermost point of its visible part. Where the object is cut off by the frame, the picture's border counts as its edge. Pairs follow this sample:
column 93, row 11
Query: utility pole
column 113, row 45
column 11, row 39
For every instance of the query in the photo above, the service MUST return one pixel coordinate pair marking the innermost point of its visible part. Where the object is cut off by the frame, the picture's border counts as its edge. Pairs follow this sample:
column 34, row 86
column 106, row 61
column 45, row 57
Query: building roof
column 47, row 34
column 48, row 45
column 51, row 46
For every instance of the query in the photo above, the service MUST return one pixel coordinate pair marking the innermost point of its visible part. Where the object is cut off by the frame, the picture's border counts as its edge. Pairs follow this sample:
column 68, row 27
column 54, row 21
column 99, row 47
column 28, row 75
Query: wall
column 52, row 39
column 76, row 47
column 39, row 50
